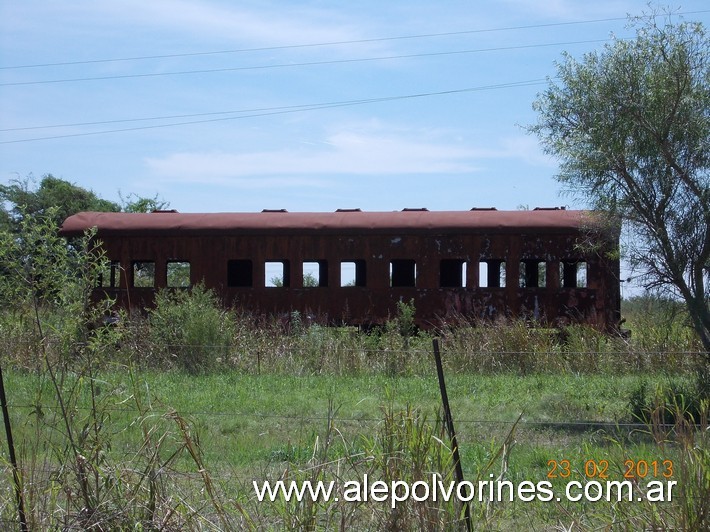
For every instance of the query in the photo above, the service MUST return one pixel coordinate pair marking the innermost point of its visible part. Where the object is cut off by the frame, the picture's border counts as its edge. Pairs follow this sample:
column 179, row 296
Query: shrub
column 191, row 328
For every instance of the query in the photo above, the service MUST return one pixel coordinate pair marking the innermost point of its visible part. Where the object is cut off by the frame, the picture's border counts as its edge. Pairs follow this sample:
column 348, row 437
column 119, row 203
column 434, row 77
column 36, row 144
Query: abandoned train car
column 348, row 266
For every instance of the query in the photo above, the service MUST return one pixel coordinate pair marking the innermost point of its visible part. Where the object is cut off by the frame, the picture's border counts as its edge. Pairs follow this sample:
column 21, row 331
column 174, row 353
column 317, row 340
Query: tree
column 630, row 125
column 135, row 203
column 63, row 199
column 53, row 197
column 39, row 271
column 5, row 220
column 309, row 281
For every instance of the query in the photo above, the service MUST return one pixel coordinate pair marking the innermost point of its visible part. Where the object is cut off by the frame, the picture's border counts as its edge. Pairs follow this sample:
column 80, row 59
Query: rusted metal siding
column 209, row 241
column 354, row 223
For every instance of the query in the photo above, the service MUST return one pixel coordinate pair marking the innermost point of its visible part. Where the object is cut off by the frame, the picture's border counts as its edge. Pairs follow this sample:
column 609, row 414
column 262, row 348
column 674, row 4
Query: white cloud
column 369, row 149
column 527, row 149
column 269, row 25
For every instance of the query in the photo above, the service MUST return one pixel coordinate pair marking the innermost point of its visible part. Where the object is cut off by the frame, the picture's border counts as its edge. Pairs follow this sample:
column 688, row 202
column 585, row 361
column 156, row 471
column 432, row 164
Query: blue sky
column 264, row 101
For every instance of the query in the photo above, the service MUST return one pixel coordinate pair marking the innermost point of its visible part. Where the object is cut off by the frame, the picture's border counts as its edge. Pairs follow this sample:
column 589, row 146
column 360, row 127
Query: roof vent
column 420, row 209
column 550, row 208
column 274, row 210
column 163, row 211
column 348, row 210
column 484, row 209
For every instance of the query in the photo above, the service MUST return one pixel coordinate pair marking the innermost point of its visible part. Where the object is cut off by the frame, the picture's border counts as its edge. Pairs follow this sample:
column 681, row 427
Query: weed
column 670, row 398
column 685, row 446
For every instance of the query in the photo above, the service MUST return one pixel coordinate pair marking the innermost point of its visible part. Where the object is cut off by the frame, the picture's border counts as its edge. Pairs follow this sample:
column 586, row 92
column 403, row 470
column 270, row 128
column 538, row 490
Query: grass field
column 254, row 427
column 245, row 421
column 164, row 423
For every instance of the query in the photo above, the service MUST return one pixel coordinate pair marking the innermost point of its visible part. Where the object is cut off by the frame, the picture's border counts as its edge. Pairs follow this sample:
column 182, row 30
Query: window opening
column 110, row 276
column 403, row 273
column 178, row 274
column 491, row 273
column 573, row 274
column 353, row 273
column 533, row 273
column 582, row 274
column 277, row 274
column 483, row 274
column 452, row 273
column 240, row 273
column 144, row 274
column 315, row 274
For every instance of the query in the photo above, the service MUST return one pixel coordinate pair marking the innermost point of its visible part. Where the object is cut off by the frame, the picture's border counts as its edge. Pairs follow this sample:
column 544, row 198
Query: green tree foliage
column 24, row 197
column 135, row 203
column 5, row 220
column 53, row 197
column 309, row 281
column 47, row 281
column 630, row 125
column 34, row 260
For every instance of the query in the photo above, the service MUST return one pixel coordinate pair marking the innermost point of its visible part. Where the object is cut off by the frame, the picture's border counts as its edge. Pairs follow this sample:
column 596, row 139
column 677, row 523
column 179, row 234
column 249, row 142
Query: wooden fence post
column 13, row 460
column 449, row 420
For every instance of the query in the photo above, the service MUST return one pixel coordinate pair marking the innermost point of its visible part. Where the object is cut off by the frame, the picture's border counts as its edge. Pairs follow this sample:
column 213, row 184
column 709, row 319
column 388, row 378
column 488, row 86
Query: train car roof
column 352, row 221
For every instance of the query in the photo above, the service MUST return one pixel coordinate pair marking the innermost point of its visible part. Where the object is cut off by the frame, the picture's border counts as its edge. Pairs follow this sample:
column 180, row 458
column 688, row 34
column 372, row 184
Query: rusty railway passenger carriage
column 477, row 264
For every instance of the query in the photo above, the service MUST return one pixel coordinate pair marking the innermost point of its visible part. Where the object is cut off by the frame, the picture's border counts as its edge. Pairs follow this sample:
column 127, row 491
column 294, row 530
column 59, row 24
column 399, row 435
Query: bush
column 191, row 328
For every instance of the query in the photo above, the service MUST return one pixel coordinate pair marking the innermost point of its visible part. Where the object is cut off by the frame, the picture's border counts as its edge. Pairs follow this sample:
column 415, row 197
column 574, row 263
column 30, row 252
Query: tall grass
column 190, row 330
column 76, row 477
column 683, row 437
